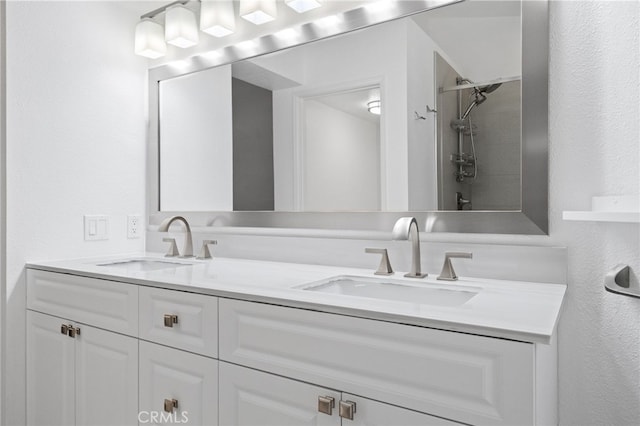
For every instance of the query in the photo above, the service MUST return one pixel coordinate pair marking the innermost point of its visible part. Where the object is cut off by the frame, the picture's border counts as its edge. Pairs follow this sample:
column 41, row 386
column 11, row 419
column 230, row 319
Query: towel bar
column 617, row 281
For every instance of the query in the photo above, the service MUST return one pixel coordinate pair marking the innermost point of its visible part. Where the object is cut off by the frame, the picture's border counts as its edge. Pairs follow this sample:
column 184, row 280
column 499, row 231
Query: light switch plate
column 96, row 227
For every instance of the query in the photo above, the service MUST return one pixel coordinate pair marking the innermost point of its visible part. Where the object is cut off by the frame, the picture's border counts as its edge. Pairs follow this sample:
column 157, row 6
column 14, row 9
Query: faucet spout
column 187, row 251
column 404, row 229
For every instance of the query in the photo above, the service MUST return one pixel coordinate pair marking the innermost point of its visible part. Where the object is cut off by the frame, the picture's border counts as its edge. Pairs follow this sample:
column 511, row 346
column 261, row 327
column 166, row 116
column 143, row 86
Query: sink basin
column 400, row 291
column 143, row 264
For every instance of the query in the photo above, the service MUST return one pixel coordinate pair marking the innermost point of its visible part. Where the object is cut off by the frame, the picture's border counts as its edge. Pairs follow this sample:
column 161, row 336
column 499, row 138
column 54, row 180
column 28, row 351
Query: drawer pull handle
column 347, row 409
column 169, row 320
column 64, row 329
column 326, row 404
column 170, row 405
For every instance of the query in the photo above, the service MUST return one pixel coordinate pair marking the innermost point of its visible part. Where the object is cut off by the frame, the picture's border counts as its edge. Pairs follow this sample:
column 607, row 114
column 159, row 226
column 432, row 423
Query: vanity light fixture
column 149, row 39
column 302, row 6
column 217, row 17
column 180, row 28
column 374, row 107
column 258, row 11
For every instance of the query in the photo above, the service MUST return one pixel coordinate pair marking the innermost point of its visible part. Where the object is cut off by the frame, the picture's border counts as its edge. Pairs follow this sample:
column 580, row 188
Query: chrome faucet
column 187, row 251
column 404, row 229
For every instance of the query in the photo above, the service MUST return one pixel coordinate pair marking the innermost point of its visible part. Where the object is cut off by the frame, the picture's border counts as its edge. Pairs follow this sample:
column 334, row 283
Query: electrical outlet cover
column 134, row 226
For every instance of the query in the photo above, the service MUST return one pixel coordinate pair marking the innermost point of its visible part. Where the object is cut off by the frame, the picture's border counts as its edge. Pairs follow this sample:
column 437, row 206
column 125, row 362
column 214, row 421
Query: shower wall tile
column 499, row 159
column 496, row 192
column 498, row 149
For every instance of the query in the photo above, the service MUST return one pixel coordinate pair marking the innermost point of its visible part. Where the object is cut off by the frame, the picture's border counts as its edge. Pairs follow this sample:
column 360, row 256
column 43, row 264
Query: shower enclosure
column 479, row 136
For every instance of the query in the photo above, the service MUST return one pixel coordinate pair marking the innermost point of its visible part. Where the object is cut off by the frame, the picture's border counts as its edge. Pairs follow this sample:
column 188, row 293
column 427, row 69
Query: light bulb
column 258, row 11
column 180, row 29
column 374, row 107
column 302, row 6
column 149, row 39
column 217, row 17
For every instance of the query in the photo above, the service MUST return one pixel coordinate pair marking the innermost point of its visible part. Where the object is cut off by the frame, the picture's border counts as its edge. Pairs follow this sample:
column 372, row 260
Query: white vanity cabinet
column 181, row 384
column 86, row 364
column 78, row 374
column 180, row 380
column 461, row 377
column 106, row 304
column 249, row 397
column 50, row 372
column 181, row 320
column 108, row 352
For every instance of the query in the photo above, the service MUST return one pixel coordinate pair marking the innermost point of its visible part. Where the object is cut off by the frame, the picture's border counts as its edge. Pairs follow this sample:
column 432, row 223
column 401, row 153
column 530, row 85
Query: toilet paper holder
column 618, row 281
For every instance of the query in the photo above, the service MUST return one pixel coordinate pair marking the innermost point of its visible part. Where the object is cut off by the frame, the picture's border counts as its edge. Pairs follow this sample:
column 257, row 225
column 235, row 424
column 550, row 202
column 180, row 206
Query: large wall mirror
column 441, row 113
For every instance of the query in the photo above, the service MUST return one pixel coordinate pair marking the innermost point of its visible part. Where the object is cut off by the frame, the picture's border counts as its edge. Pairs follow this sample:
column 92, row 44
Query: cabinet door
column 249, row 397
column 168, row 374
column 106, row 378
column 50, row 372
column 373, row 413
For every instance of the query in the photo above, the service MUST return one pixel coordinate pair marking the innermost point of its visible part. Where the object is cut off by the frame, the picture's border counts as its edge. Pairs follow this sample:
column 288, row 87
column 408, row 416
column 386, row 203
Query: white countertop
column 516, row 310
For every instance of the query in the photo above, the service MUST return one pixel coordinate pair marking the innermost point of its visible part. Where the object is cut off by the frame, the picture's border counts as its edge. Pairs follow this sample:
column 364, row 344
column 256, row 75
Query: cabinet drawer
column 105, row 304
column 466, row 378
column 173, row 375
column 195, row 325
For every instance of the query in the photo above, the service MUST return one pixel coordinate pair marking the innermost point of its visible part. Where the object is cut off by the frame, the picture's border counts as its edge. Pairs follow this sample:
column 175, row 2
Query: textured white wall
column 595, row 134
column 75, row 145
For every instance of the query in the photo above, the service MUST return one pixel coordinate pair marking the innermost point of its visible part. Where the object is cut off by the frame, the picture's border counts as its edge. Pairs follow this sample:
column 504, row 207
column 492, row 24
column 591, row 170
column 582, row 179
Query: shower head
column 479, row 93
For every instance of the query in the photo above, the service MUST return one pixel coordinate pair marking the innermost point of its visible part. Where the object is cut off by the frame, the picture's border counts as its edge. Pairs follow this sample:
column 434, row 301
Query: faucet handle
column 448, row 273
column 385, row 266
column 204, row 251
column 173, row 248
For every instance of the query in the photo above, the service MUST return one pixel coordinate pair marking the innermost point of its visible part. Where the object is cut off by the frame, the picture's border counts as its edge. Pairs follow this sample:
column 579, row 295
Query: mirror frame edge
column 533, row 219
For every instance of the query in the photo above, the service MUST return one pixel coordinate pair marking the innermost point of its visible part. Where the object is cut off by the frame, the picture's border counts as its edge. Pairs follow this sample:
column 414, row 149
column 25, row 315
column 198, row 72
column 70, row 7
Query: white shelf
column 621, row 209
column 591, row 216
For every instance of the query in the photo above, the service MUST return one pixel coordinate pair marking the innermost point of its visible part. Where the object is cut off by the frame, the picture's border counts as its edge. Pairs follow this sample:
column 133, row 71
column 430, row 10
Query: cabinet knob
column 170, row 405
column 73, row 331
column 346, row 409
column 326, row 404
column 64, row 329
column 169, row 320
